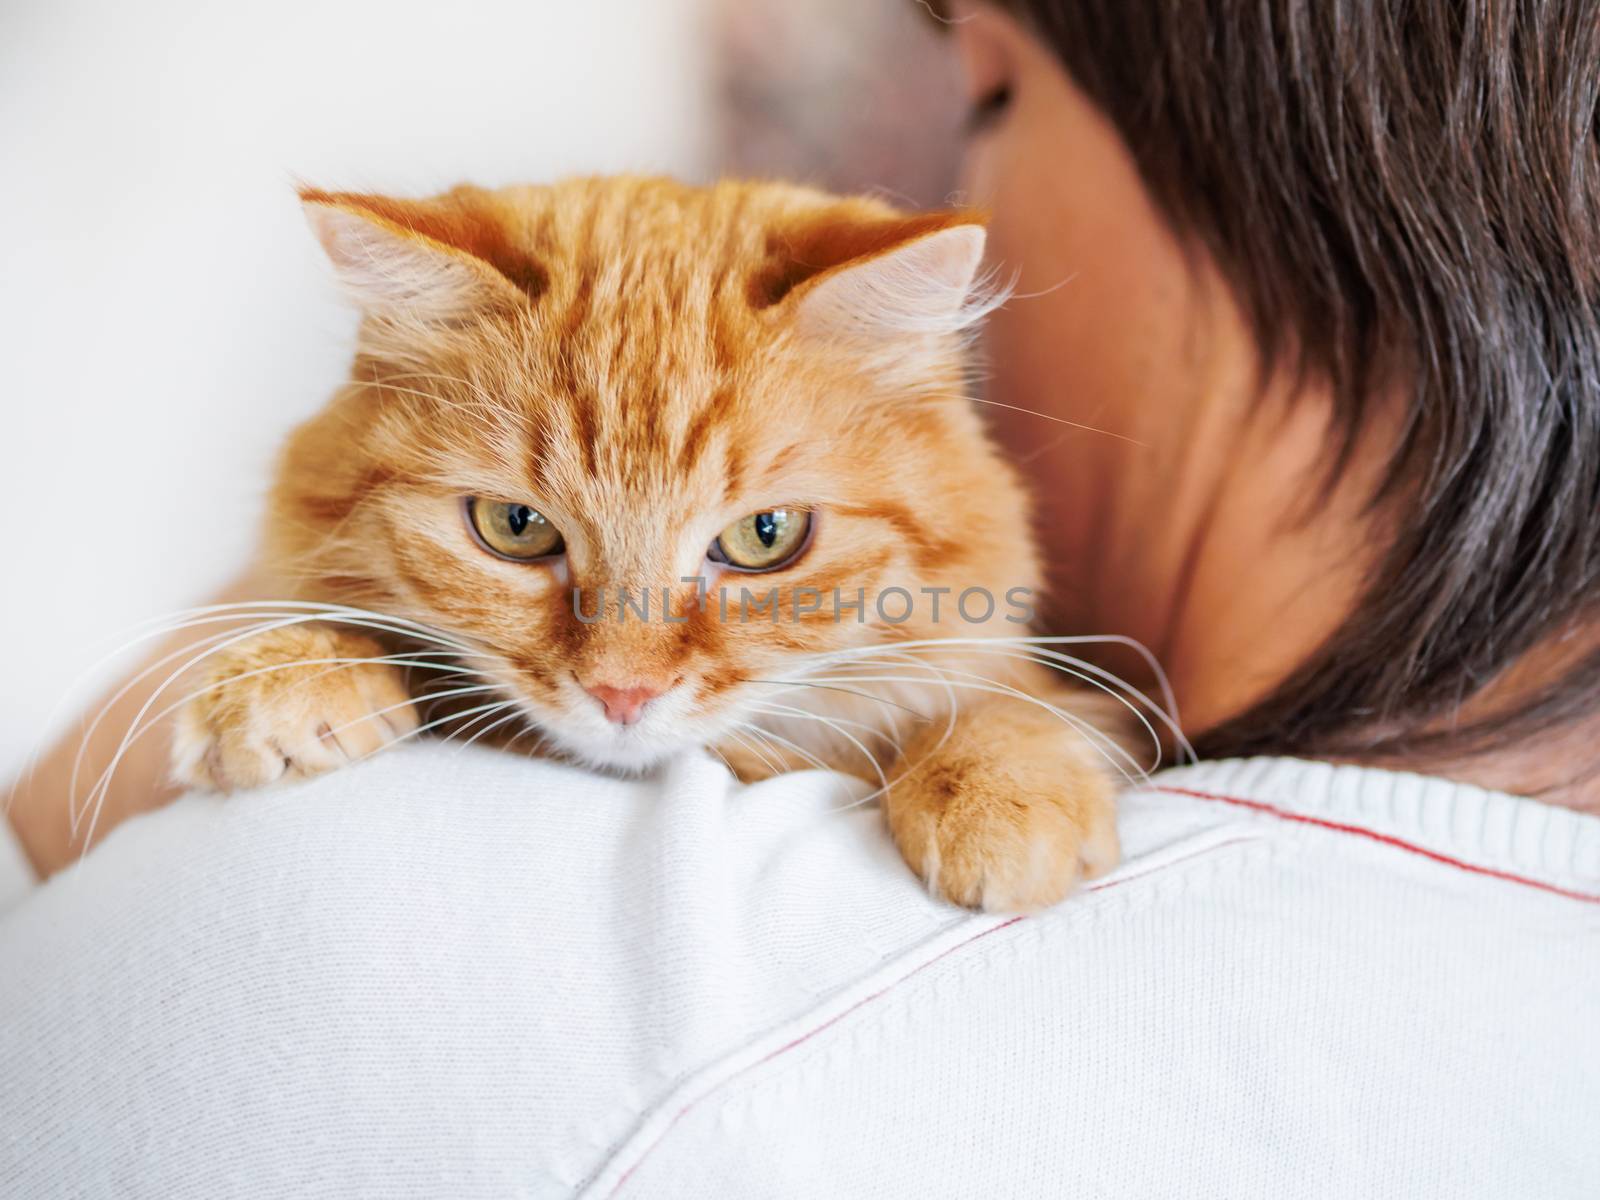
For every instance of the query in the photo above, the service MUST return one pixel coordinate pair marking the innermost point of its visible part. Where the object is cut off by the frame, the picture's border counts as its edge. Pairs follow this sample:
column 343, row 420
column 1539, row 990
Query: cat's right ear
column 923, row 282
column 413, row 262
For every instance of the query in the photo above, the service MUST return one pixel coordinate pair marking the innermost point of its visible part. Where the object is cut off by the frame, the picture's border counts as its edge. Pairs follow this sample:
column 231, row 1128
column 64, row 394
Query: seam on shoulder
column 1284, row 814
column 613, row 1173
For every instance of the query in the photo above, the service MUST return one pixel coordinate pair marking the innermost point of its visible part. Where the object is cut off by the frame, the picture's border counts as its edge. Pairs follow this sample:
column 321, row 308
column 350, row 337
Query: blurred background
column 164, row 315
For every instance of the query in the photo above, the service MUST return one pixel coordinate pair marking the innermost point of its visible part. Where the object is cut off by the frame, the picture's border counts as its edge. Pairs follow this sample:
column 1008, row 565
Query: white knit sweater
column 465, row 975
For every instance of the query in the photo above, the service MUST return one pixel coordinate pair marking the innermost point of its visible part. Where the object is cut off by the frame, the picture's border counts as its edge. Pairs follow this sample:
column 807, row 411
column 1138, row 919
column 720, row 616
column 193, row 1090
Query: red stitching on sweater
column 1254, row 805
column 810, row 1033
column 1096, row 886
column 1387, row 839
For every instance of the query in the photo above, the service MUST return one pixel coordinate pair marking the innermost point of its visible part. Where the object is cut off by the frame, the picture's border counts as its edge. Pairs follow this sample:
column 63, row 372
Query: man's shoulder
column 494, row 968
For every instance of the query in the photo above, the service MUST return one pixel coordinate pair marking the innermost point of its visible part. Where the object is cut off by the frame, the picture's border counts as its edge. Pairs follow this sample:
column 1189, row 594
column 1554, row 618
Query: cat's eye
column 511, row 530
column 763, row 541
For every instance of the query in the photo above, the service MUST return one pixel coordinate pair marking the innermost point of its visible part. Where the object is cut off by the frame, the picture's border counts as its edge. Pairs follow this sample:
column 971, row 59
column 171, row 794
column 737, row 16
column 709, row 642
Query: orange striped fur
column 644, row 363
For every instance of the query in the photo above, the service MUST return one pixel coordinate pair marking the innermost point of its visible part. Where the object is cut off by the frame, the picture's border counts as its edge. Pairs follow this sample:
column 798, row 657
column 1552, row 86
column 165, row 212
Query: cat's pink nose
column 623, row 705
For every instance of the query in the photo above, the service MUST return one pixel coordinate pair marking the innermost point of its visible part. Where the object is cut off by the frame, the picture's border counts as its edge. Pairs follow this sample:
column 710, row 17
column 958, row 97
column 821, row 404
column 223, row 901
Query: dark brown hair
column 1403, row 195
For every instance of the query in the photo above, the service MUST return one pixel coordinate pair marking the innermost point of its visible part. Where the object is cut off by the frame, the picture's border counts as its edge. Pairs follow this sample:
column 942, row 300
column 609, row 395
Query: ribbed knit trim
column 1555, row 847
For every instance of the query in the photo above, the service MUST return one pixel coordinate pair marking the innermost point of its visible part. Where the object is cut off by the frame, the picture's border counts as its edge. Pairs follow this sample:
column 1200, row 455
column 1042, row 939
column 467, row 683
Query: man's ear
column 421, row 261
column 922, row 285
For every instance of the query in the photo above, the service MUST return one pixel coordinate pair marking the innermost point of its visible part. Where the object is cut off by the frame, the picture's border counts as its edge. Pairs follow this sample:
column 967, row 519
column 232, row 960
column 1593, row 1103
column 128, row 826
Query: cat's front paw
column 1008, row 824
column 294, row 701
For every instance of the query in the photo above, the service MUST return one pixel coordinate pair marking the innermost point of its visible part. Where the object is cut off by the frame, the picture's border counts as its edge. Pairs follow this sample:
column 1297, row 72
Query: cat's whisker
column 935, row 677
column 780, row 743
column 724, row 759
column 952, row 702
column 143, row 723
column 1105, row 746
column 213, row 645
column 1086, row 673
column 175, row 620
column 432, row 725
column 1166, row 713
column 835, row 725
column 513, row 704
column 777, row 757
column 97, row 795
column 1044, row 416
column 389, row 708
column 267, row 617
column 86, row 736
column 422, row 695
column 529, row 726
column 1053, row 288
column 1097, row 741
column 1009, row 652
column 778, row 740
column 1108, row 683
column 738, row 735
column 788, row 710
column 779, row 767
column 138, row 729
column 808, row 683
column 1109, row 639
column 894, row 654
column 263, row 622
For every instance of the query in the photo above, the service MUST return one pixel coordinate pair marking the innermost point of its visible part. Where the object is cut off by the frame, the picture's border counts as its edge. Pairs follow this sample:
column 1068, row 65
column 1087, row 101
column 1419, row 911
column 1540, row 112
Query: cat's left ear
column 421, row 262
column 920, row 279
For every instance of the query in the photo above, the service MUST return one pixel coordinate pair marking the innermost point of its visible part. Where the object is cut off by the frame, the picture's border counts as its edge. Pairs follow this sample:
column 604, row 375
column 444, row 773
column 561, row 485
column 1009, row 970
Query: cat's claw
column 1012, row 824
column 293, row 702
column 1003, row 867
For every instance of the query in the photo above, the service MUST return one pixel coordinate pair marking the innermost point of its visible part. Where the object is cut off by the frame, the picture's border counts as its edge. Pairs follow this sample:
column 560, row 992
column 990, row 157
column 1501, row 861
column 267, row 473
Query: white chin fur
column 629, row 750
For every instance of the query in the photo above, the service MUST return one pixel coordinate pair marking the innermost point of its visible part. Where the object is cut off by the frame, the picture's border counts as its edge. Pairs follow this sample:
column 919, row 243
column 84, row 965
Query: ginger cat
column 568, row 398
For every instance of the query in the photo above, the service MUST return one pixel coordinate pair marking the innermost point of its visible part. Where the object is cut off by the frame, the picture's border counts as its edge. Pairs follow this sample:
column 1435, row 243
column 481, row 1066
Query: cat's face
column 566, row 393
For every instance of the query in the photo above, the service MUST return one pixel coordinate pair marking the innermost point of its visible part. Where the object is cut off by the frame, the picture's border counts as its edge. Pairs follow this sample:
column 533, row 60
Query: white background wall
column 165, row 315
